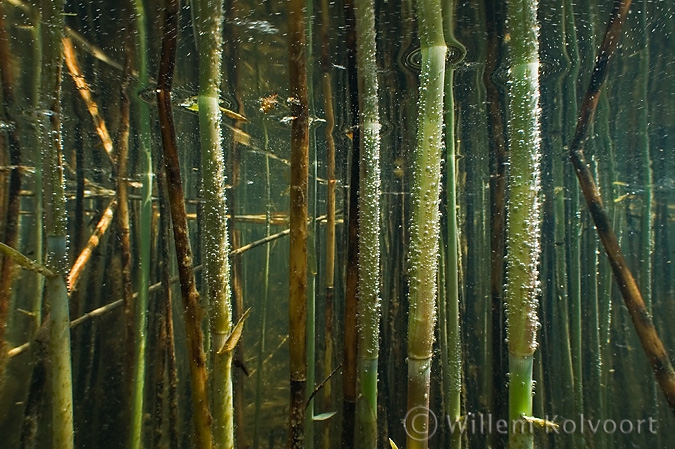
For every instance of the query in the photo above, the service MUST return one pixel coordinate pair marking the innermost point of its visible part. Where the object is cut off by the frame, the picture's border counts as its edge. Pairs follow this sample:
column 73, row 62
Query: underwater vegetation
column 304, row 224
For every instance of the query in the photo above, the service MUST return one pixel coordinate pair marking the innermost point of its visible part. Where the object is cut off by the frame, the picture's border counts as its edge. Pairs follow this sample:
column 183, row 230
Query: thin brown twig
column 644, row 326
column 90, row 315
column 85, row 92
column 321, row 385
column 92, row 243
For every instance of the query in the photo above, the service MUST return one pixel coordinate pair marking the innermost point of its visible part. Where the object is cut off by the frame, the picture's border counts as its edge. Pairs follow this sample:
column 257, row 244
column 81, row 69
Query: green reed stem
column 555, row 247
column 450, row 326
column 351, row 281
column 145, row 231
column 207, row 21
column 56, row 225
column 494, row 96
column 368, row 310
column 425, row 222
column 311, row 237
column 572, row 219
column 36, row 33
column 330, row 210
column 265, row 299
column 523, row 224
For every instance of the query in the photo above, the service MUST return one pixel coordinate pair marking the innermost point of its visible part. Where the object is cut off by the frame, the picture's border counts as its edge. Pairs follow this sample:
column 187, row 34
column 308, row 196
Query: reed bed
column 444, row 236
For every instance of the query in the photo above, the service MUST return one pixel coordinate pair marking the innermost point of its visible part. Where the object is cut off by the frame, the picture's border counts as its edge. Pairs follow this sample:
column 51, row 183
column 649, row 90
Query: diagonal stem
column 644, row 326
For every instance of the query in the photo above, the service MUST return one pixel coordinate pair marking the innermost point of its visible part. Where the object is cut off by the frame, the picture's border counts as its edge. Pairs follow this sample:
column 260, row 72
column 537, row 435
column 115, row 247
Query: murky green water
column 592, row 378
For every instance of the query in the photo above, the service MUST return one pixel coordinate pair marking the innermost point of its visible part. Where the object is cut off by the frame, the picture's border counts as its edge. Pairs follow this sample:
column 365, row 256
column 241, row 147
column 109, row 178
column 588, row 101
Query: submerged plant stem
column 145, row 233
column 297, row 306
column 368, row 309
column 644, row 326
column 207, row 20
column 10, row 141
column 56, row 226
column 425, row 222
column 524, row 220
column 192, row 311
column 351, row 281
column 451, row 344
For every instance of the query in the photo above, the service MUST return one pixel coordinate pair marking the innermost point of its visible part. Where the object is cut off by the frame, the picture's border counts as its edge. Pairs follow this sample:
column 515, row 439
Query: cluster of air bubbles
column 260, row 26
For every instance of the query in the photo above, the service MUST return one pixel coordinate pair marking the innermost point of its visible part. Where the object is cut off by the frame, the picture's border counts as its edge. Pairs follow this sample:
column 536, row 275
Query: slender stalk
column 555, row 294
column 55, row 225
column 263, row 308
column 425, row 221
column 298, row 236
column 191, row 309
column 36, row 33
column 573, row 225
column 311, row 238
column 330, row 209
column 165, row 285
column 368, row 310
column 159, row 369
column 235, row 11
column 349, row 334
column 145, row 218
column 10, row 140
column 646, row 176
column 605, row 284
column 34, row 409
column 135, row 323
column 207, row 21
column 523, row 224
column 498, row 162
column 651, row 343
column 452, row 364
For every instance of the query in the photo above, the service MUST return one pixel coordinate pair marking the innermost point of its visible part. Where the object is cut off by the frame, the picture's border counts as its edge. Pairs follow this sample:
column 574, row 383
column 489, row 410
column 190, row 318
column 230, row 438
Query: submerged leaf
column 323, row 416
column 191, row 105
column 234, row 337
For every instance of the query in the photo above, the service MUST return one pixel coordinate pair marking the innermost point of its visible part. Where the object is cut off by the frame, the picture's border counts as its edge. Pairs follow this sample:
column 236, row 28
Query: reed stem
column 145, row 210
column 330, row 211
column 191, row 310
column 425, row 222
column 9, row 140
column 56, row 225
column 451, row 344
column 523, row 224
column 207, row 20
column 262, row 335
column 298, row 236
column 349, row 352
column 498, row 162
column 368, row 309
